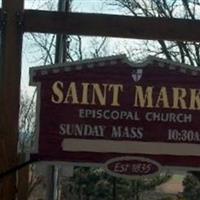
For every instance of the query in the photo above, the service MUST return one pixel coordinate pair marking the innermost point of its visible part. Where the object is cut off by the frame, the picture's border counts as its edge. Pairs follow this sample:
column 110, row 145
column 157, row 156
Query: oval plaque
column 132, row 167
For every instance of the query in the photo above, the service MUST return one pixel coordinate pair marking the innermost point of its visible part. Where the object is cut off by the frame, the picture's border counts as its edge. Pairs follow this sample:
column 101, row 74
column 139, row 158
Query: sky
column 91, row 6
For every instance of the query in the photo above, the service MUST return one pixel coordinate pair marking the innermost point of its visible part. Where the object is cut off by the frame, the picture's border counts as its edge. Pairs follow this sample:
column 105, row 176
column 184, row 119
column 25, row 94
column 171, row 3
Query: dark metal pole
column 62, row 46
column 60, row 53
column 63, row 6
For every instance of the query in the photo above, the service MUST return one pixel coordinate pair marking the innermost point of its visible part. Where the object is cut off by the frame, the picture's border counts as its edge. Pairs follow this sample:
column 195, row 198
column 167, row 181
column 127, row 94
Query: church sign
column 97, row 110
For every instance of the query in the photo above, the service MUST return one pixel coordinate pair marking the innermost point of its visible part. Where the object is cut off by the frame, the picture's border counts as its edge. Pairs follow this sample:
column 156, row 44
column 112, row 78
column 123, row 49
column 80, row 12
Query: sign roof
column 110, row 60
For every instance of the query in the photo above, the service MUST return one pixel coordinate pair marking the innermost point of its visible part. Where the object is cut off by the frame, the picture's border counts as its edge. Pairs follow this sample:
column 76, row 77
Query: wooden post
column 10, row 72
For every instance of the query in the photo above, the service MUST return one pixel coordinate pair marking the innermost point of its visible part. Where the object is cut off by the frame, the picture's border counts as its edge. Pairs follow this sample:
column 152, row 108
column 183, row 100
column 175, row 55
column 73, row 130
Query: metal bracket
column 20, row 19
column 3, row 19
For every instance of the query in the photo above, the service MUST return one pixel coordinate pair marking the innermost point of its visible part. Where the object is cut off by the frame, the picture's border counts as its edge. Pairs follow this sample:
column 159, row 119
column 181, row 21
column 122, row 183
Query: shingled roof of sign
column 113, row 60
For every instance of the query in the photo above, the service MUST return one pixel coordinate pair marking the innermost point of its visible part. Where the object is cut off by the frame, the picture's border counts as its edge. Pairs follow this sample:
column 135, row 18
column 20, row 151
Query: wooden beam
column 10, row 72
column 111, row 25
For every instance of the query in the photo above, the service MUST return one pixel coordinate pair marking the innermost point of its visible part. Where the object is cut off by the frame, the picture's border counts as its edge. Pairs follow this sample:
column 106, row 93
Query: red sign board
column 96, row 110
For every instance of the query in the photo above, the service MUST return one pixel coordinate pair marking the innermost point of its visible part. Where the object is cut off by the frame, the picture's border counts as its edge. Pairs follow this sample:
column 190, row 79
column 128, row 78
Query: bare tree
column 26, row 123
column 184, row 52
